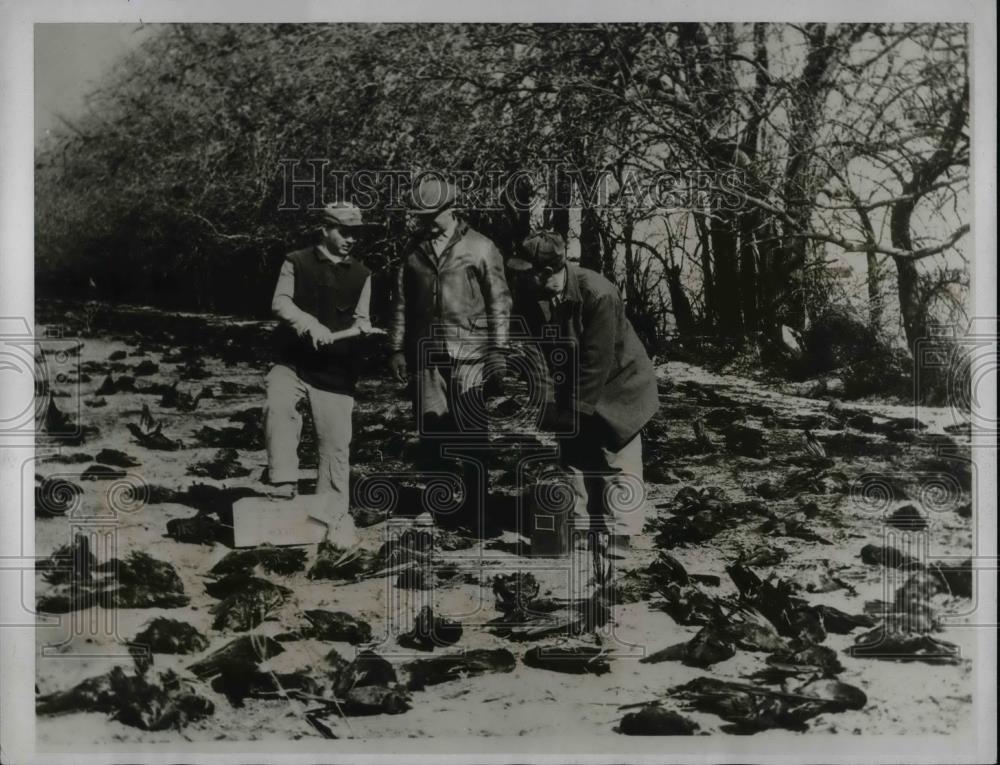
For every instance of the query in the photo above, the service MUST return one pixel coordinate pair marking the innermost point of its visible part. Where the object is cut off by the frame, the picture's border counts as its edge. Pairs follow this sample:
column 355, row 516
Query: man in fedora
column 450, row 323
column 322, row 305
column 597, row 407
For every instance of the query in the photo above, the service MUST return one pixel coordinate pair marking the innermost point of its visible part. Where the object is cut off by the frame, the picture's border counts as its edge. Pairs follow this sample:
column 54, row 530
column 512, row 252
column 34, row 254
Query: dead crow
column 573, row 659
column 101, row 473
column 253, row 603
column 654, row 720
column 116, row 458
column 276, row 560
column 430, row 631
column 812, row 444
column 433, row 670
column 243, row 654
column 338, row 626
column 708, row 647
column 163, row 635
column 149, row 433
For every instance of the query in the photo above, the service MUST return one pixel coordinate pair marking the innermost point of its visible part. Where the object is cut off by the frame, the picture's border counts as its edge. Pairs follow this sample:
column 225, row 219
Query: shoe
column 288, row 490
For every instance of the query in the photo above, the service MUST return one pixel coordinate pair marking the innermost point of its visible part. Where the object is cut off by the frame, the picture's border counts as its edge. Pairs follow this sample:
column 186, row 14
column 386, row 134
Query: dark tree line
column 804, row 143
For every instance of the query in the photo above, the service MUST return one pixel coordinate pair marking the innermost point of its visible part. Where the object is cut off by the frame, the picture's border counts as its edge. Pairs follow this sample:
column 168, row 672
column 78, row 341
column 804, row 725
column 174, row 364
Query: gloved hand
column 397, row 366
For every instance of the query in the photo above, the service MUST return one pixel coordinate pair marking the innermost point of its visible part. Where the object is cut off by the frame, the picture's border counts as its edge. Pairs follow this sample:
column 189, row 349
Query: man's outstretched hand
column 321, row 336
column 397, row 366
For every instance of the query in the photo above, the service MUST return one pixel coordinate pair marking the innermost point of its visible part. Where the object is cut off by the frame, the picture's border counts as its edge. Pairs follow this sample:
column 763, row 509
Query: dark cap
column 431, row 196
column 542, row 249
column 341, row 214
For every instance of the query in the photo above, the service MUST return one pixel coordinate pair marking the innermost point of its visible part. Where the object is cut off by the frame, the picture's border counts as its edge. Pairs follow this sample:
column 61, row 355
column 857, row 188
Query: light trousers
column 608, row 489
column 331, row 414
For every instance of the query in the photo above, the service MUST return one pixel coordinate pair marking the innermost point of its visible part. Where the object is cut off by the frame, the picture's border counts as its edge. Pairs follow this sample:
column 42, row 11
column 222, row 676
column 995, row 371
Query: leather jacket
column 458, row 302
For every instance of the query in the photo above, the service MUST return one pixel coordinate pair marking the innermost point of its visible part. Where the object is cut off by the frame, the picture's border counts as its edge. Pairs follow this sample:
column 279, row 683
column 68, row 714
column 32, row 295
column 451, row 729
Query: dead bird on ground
column 149, row 433
column 754, row 708
column 420, row 673
column 132, row 699
column 706, row 648
column 812, row 445
column 202, row 529
column 243, row 654
column 148, row 705
column 884, row 642
column 173, row 398
column 654, row 720
column 102, row 473
column 890, row 557
column 792, row 616
column 116, row 458
column 339, row 563
column 69, row 563
column 141, row 581
column 225, row 463
column 283, row 561
column 338, row 626
column 110, row 386
column 368, row 668
column 238, row 686
column 163, row 635
column 145, row 368
column 249, row 437
column 573, row 659
column 430, row 631
column 254, row 602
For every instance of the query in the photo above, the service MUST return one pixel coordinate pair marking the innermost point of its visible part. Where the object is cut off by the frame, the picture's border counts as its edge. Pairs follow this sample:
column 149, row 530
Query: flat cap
column 541, row 249
column 341, row 214
column 431, row 196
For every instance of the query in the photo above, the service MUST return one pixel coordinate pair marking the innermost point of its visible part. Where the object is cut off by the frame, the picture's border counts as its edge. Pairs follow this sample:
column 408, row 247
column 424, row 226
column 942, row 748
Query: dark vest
column 329, row 291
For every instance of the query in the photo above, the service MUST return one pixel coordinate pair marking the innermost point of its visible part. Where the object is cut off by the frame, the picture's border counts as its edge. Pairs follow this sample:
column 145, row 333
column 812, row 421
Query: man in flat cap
column 322, row 304
column 598, row 408
column 450, row 320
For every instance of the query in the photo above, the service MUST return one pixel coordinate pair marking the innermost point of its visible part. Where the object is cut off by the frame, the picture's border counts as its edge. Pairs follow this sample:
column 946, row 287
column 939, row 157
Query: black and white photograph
column 499, row 387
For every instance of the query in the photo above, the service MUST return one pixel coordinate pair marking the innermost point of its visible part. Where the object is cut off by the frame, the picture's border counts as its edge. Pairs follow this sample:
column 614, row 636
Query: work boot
column 285, row 490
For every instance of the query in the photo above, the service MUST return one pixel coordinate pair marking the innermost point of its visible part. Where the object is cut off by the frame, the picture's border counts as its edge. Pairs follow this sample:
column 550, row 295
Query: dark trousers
column 454, row 431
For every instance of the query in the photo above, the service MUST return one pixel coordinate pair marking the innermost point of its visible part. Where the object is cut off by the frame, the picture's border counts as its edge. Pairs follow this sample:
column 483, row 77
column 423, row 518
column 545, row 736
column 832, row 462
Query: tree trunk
column 874, row 294
column 679, row 303
column 590, row 240
column 727, row 276
column 911, row 302
column 560, row 194
column 748, row 275
column 708, row 278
